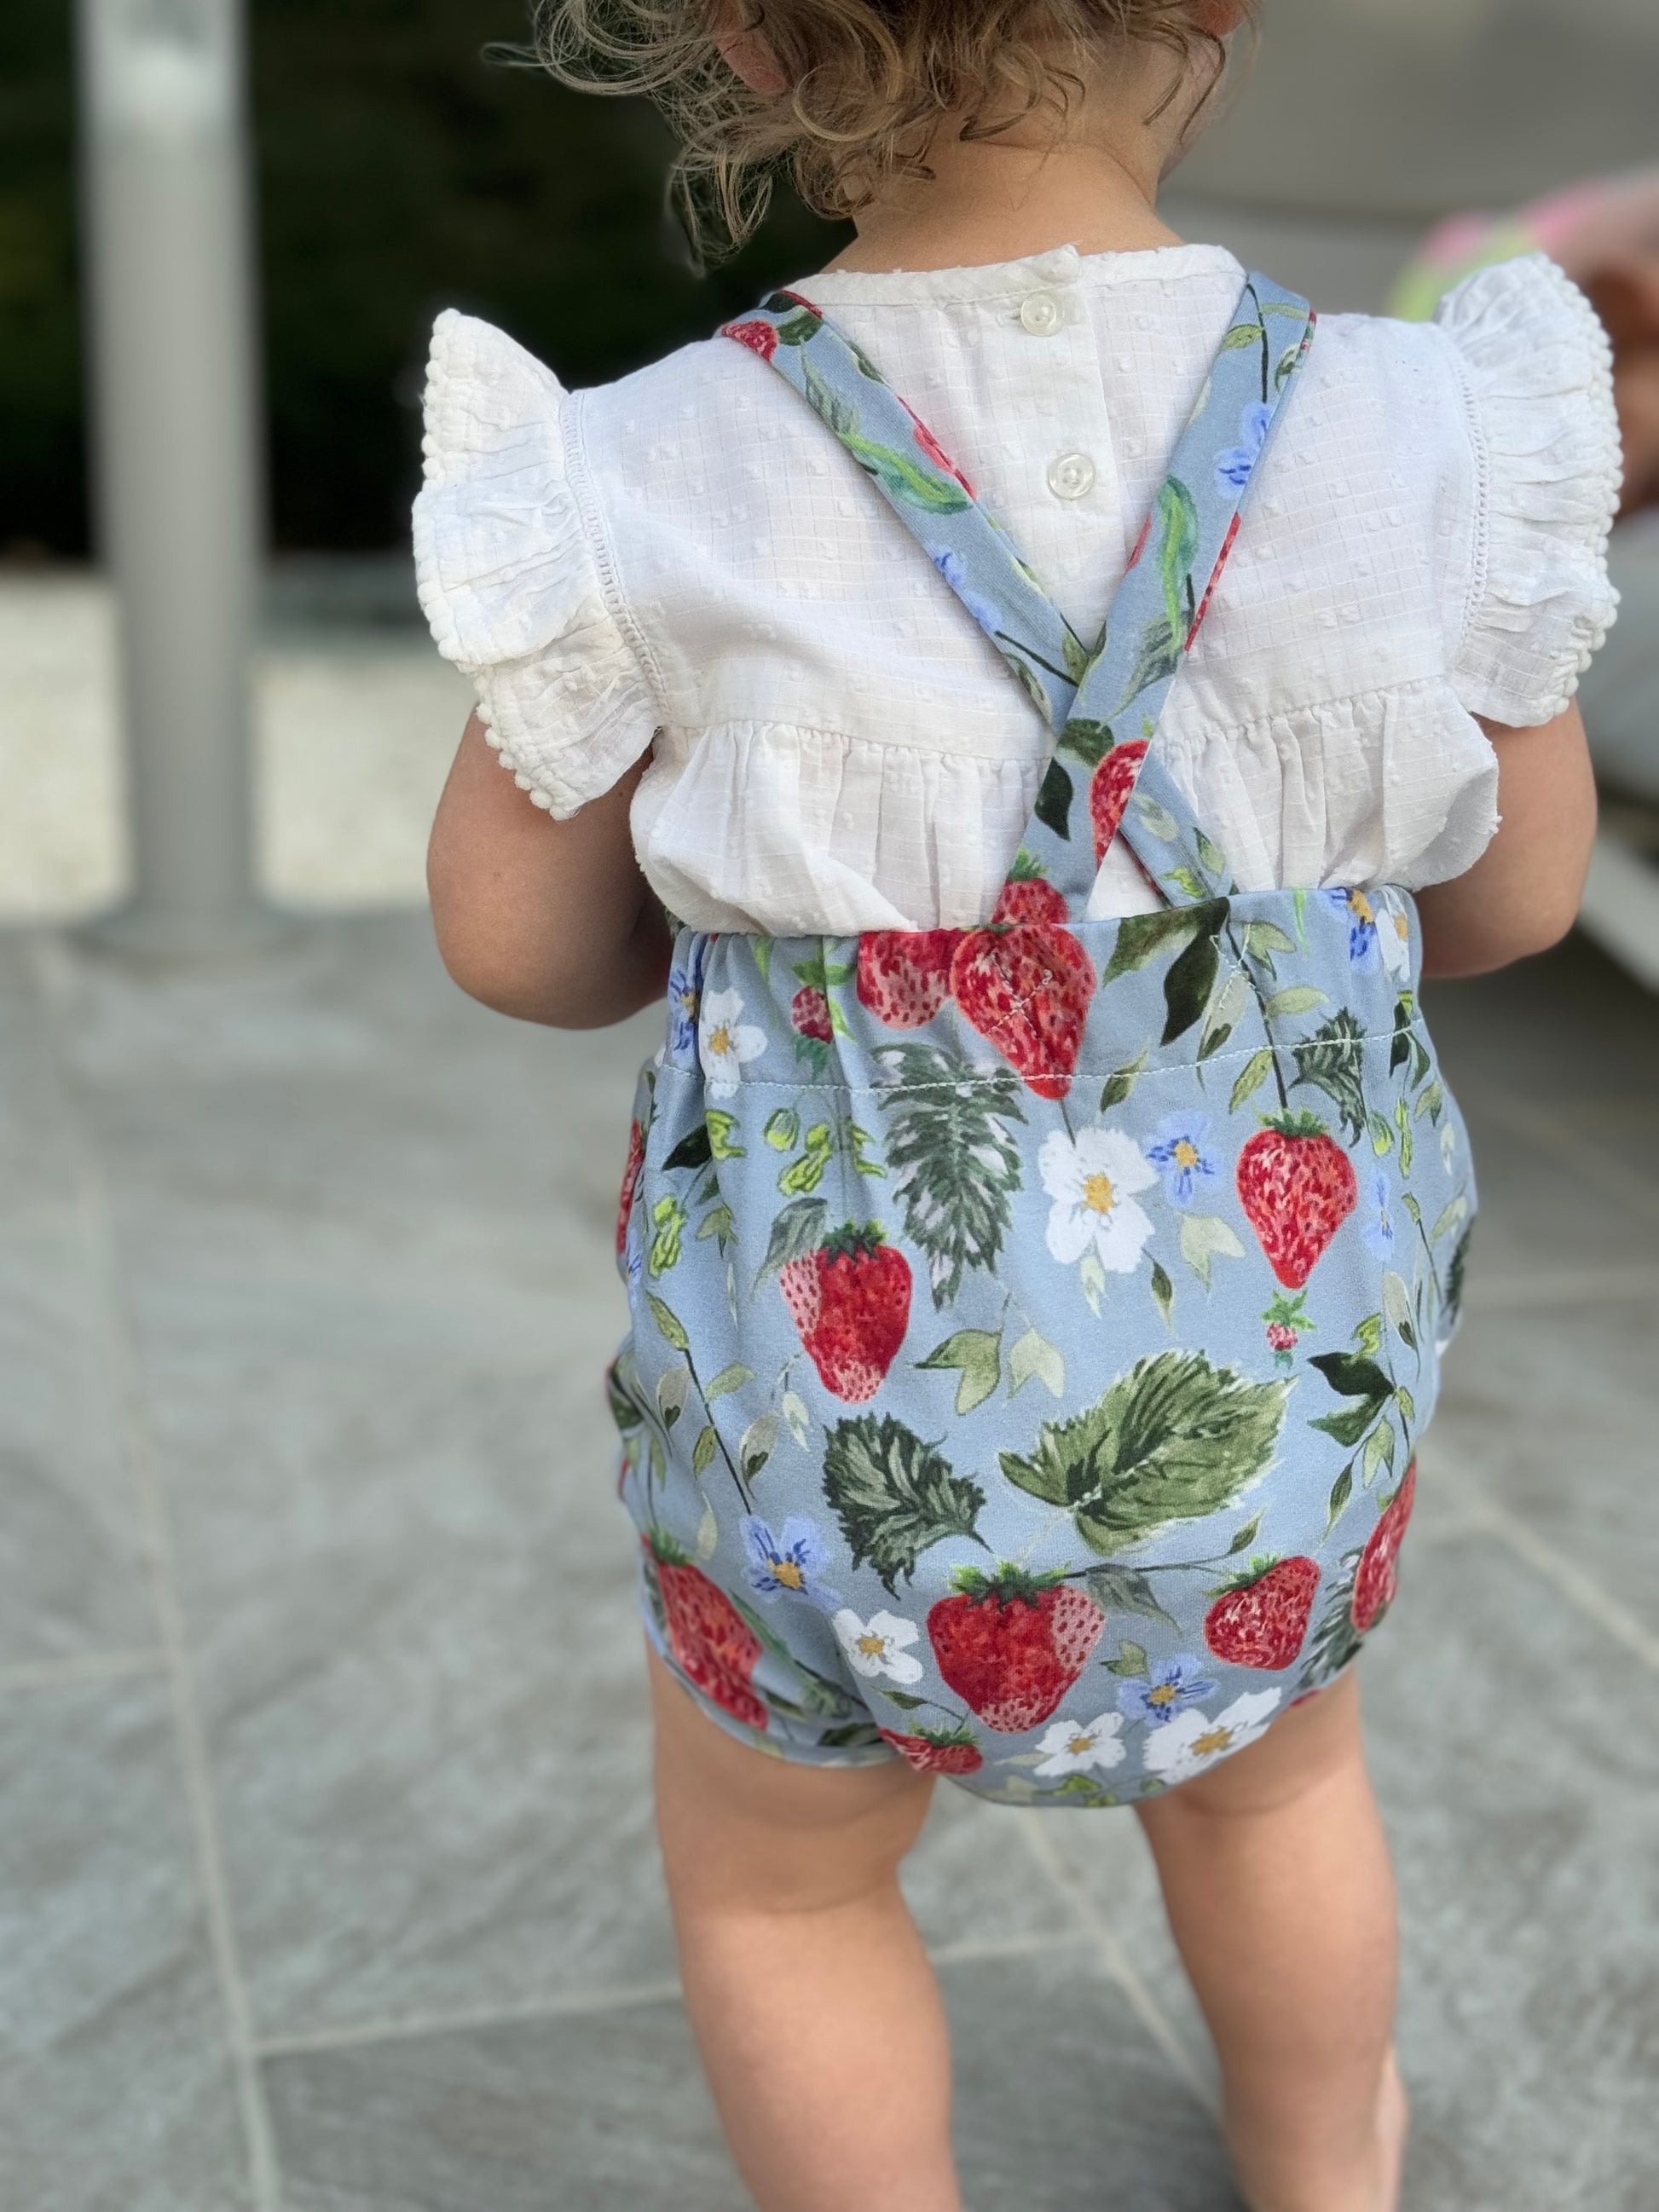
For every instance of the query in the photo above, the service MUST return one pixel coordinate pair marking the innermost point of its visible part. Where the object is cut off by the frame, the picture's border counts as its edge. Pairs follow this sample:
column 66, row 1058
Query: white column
column 166, row 193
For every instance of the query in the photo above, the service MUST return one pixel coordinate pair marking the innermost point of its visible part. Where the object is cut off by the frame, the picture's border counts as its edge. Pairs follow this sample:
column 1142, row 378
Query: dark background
column 399, row 171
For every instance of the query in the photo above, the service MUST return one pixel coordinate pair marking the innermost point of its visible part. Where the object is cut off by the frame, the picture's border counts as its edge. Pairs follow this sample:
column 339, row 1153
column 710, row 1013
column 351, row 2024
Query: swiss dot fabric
column 684, row 555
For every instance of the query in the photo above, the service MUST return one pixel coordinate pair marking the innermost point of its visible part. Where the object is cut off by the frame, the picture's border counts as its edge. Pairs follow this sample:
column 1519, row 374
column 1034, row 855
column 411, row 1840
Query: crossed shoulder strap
column 1103, row 706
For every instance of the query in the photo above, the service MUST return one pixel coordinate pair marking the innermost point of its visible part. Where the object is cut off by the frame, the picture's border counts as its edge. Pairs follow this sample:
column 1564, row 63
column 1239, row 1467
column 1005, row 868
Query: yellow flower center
column 788, row 1574
column 1078, row 1745
column 1362, row 907
column 1212, row 1741
column 1186, row 1152
column 872, row 1645
column 1163, row 1695
column 1402, row 928
column 1098, row 1193
column 719, row 1041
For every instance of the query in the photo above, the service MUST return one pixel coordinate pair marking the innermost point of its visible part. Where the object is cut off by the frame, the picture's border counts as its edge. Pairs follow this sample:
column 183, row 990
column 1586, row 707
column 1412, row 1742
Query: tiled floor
column 327, row 1880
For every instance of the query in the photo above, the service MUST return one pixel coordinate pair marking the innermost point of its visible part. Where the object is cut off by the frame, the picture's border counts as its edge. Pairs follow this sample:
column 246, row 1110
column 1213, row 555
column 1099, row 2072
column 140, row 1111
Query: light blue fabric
column 1034, row 1324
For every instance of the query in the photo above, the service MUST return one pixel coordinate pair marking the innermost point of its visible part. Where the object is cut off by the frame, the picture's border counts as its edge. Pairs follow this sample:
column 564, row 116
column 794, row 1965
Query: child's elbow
column 487, row 971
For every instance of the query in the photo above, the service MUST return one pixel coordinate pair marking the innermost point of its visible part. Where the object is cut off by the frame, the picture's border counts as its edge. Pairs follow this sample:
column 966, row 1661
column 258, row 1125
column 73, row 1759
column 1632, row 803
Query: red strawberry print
column 1215, row 578
column 851, row 1302
column 1031, row 898
column 1297, row 1186
column 904, row 975
column 935, row 452
column 1377, row 1576
column 759, row 338
column 1262, row 1620
column 1110, row 788
column 713, row 1644
column 809, row 1010
column 1028, row 988
column 630, row 1183
column 1011, row 1645
column 939, row 1751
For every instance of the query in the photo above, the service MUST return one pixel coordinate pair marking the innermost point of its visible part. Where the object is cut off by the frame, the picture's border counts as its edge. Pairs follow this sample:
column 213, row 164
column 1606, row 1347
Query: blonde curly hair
column 864, row 83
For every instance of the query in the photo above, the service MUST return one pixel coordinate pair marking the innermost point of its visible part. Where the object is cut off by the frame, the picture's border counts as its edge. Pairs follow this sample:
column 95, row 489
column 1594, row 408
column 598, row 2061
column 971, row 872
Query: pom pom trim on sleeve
column 1537, row 371
column 508, row 577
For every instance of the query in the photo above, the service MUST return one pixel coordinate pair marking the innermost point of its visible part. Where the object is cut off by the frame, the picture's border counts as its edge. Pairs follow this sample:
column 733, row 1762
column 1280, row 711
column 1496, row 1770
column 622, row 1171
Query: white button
column 1039, row 313
column 1071, row 475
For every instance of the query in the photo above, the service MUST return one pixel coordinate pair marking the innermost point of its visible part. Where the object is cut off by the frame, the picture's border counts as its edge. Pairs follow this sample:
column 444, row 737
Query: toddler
column 1063, row 729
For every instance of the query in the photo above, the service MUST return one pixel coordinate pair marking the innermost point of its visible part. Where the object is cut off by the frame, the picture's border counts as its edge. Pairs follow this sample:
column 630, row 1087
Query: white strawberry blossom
column 876, row 1647
column 1073, row 1747
column 726, row 1042
column 1091, row 1177
column 1194, row 1739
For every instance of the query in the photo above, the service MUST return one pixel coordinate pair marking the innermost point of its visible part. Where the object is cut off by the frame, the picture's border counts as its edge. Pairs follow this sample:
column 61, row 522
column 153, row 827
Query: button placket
column 1041, row 314
column 1071, row 476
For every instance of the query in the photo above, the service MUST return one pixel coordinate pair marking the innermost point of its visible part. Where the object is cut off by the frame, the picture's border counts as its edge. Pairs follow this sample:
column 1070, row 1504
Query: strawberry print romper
column 1033, row 1324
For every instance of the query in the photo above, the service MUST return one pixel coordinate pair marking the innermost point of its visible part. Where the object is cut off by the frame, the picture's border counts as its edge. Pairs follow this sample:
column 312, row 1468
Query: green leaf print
column 1332, row 1060
column 729, row 1379
column 1162, row 1293
column 1033, row 1357
column 1355, row 1377
column 1091, row 741
column 1141, row 937
column 975, row 1355
column 694, row 1149
column 1130, row 1662
column 799, row 1229
column 1188, row 985
column 1452, row 1291
column 1177, row 549
column 1206, row 1238
column 1243, row 335
column 901, row 478
column 1251, row 1077
column 1175, row 1439
column 839, row 414
column 1122, row 1589
column 668, row 1218
column 953, row 1159
column 894, row 1495
column 668, row 1322
column 1123, row 1081
column 1053, row 800
column 1351, row 1377
column 1159, row 656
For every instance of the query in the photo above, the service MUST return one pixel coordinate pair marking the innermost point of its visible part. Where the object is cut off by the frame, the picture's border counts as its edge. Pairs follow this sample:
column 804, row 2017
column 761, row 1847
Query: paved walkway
column 326, row 1879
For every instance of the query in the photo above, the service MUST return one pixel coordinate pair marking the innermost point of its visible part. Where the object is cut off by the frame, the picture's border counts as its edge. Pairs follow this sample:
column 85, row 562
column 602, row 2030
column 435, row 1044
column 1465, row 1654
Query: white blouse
column 687, row 555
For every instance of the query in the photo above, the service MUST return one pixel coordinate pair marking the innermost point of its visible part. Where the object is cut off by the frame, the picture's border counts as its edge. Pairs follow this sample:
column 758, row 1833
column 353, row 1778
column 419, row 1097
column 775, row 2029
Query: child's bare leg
column 1280, row 1896
column 814, row 2004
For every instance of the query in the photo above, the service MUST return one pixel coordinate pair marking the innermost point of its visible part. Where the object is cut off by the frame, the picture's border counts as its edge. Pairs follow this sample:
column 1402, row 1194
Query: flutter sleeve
column 509, row 574
column 1538, row 378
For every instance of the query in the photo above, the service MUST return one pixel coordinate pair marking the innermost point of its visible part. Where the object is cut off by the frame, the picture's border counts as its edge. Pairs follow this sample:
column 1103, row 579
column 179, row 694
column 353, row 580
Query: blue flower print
column 1180, row 1149
column 1363, row 950
column 954, row 570
column 684, row 997
column 1233, row 463
column 1379, row 1222
column 1170, row 1687
column 787, row 1564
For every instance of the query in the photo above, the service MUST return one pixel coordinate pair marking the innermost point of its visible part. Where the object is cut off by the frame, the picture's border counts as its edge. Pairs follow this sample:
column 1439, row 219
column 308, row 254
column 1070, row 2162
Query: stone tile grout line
column 88, row 1667
column 1152, row 2018
column 49, row 964
column 1580, row 1590
column 576, row 2004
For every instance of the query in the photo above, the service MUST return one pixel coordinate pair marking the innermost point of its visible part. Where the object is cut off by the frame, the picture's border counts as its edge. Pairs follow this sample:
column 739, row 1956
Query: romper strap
column 931, row 495
column 1104, row 706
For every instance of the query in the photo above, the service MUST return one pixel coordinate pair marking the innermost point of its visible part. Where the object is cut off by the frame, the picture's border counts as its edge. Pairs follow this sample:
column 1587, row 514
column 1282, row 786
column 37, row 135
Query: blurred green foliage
column 399, row 172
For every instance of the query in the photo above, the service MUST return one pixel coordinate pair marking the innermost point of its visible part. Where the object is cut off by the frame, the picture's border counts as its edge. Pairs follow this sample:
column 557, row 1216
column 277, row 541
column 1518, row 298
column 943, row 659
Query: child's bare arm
column 1521, row 895
column 548, row 921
